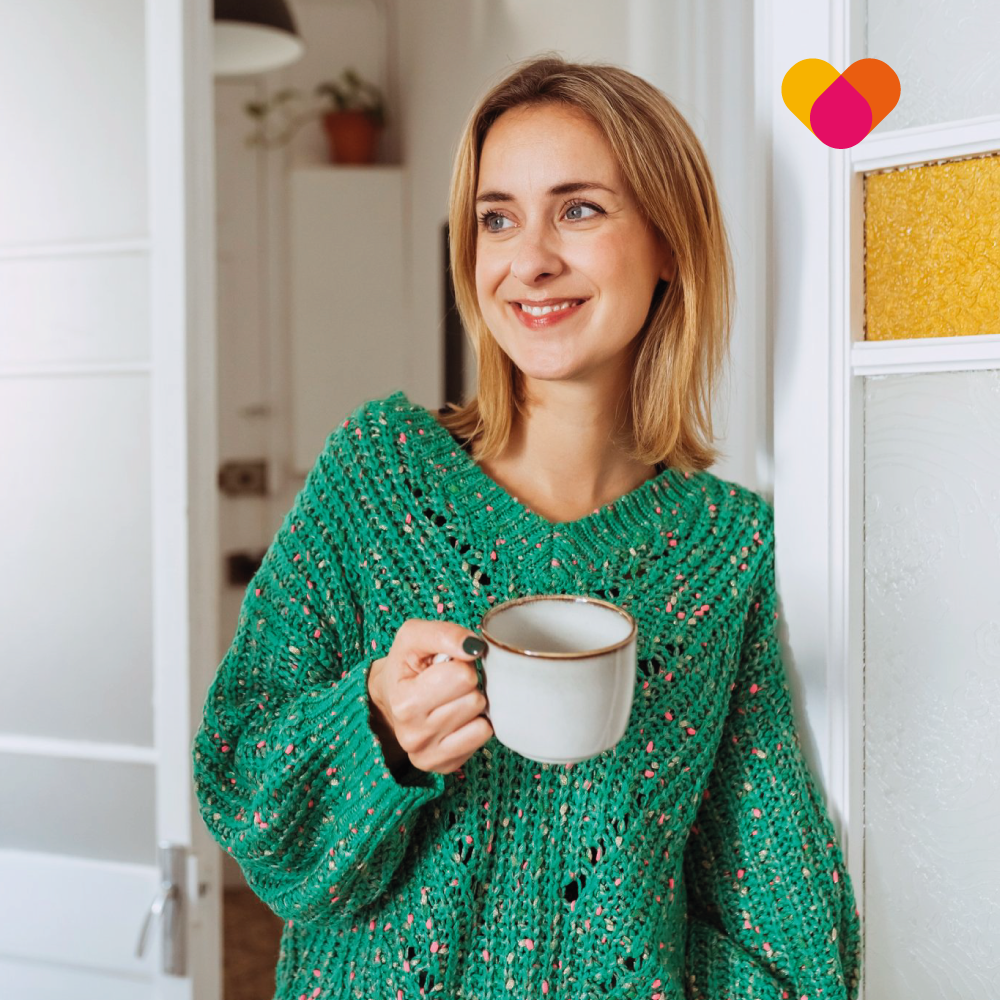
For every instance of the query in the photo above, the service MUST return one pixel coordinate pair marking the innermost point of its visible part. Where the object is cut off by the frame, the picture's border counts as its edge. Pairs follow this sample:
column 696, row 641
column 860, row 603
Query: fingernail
column 474, row 646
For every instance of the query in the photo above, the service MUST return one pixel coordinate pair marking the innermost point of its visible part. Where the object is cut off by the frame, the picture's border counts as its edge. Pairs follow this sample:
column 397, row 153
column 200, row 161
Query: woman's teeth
column 544, row 310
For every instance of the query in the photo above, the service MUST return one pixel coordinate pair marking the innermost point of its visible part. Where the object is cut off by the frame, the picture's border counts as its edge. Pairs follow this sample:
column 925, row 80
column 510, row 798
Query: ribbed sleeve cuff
column 374, row 804
column 337, row 796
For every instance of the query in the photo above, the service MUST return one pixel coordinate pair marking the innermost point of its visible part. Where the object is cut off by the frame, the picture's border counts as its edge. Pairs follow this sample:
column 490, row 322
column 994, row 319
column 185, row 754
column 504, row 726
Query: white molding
column 117, row 753
column 926, row 354
column 96, row 866
column 926, row 143
column 183, row 444
column 275, row 168
column 846, row 664
column 813, row 307
column 86, row 248
column 75, row 371
column 803, row 312
column 845, row 458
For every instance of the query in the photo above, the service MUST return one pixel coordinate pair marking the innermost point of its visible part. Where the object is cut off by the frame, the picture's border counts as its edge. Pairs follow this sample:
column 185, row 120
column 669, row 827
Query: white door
column 885, row 261
column 107, row 508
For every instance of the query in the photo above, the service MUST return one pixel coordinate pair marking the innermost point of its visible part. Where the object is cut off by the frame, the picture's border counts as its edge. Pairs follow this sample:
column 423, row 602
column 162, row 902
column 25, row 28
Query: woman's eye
column 486, row 219
column 581, row 204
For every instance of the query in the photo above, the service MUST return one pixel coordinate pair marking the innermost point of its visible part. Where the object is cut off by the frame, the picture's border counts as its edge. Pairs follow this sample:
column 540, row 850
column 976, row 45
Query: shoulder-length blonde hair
column 677, row 356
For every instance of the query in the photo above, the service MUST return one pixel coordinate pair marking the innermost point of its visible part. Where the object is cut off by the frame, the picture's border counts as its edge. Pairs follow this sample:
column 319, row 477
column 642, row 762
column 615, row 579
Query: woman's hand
column 427, row 705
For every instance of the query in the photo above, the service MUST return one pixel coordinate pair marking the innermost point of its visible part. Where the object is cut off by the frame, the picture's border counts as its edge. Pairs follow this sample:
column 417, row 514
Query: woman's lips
column 549, row 319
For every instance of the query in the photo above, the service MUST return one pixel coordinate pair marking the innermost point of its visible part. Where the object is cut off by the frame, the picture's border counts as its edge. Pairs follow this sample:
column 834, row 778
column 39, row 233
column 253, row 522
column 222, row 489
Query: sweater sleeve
column 771, row 908
column 289, row 776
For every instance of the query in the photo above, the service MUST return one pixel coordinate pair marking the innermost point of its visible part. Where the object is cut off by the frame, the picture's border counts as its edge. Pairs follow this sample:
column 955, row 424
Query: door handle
column 168, row 908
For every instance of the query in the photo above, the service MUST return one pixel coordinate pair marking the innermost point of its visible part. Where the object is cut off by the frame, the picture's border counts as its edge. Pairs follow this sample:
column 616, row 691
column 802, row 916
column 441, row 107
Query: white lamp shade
column 242, row 48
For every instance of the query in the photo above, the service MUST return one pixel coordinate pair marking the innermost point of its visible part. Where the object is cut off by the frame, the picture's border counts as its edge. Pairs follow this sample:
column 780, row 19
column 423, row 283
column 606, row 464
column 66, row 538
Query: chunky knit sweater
column 695, row 859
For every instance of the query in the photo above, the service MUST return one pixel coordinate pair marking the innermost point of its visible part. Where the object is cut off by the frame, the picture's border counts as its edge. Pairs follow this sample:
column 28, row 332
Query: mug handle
column 482, row 686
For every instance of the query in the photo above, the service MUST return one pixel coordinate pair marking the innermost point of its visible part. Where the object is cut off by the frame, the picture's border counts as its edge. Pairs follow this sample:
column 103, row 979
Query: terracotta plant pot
column 352, row 135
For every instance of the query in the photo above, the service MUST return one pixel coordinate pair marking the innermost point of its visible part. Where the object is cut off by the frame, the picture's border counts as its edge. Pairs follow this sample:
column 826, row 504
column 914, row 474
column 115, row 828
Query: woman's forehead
column 546, row 150
column 560, row 118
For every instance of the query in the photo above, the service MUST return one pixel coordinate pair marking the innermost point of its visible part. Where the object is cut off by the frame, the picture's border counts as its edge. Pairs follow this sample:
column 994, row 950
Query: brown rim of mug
column 559, row 597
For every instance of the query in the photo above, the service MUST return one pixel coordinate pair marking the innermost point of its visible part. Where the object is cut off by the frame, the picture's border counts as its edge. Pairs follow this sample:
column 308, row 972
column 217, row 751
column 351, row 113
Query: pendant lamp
column 254, row 36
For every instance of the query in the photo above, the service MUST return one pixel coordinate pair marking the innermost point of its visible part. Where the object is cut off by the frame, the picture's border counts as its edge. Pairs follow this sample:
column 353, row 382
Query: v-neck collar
column 632, row 515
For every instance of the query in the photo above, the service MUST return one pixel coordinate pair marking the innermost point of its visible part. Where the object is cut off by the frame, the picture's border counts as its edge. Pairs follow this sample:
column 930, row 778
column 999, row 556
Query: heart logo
column 840, row 109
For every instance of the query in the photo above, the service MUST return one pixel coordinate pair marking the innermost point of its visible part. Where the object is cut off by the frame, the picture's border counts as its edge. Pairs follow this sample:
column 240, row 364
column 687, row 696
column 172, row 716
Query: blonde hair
column 677, row 356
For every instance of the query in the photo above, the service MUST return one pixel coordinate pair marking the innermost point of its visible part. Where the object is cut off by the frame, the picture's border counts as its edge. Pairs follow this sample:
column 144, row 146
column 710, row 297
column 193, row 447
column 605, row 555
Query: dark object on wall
column 454, row 334
column 243, row 479
column 241, row 566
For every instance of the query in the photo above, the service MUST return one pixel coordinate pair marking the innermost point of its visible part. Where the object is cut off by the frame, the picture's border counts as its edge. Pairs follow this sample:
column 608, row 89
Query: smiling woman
column 409, row 851
column 592, row 273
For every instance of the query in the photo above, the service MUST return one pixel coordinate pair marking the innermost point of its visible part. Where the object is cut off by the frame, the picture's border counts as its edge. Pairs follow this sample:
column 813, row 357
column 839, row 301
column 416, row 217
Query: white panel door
column 108, row 506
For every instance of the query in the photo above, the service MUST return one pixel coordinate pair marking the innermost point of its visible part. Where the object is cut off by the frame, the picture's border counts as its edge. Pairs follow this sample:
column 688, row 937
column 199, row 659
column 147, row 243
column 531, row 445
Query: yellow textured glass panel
column 932, row 250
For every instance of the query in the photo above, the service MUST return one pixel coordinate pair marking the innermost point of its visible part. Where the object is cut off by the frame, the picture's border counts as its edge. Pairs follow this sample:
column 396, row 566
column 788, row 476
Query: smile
column 544, row 316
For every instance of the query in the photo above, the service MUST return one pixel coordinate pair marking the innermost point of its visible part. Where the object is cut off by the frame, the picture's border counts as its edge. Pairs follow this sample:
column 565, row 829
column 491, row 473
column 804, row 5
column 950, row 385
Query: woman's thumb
column 473, row 645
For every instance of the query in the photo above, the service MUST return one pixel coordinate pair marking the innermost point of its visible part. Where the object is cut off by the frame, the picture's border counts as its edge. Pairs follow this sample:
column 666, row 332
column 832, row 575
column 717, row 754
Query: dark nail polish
column 474, row 646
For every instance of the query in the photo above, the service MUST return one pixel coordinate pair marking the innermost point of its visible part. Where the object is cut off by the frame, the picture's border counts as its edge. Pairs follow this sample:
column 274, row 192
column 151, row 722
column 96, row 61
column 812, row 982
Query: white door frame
column 798, row 179
column 812, row 226
column 181, row 104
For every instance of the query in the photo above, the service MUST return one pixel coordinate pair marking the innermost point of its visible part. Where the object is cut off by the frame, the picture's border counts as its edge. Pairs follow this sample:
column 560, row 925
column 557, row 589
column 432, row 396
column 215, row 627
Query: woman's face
column 536, row 243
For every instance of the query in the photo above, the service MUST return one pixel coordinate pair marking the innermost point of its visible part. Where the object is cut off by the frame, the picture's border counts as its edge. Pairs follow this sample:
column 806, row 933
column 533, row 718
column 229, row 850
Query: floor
column 250, row 937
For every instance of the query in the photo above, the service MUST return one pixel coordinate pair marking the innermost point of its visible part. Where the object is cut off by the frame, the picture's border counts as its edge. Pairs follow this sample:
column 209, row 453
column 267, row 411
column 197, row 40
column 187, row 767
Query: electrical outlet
column 242, row 479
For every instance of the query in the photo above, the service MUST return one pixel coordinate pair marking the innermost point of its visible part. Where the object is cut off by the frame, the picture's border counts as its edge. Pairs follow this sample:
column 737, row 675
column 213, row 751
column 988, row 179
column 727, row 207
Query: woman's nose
column 537, row 253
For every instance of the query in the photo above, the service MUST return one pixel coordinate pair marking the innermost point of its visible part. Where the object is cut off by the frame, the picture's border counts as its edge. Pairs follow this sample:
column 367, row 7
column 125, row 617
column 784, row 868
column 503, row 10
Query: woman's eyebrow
column 567, row 188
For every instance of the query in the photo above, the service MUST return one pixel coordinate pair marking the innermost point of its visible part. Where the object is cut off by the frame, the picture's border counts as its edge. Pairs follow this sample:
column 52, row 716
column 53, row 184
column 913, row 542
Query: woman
column 344, row 759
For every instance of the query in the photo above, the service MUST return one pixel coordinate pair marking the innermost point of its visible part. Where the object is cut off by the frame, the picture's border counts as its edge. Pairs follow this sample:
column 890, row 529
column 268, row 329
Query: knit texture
column 695, row 859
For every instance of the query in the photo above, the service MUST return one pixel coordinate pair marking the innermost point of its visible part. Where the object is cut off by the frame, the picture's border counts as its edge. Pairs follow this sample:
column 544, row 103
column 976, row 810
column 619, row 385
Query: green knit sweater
column 695, row 859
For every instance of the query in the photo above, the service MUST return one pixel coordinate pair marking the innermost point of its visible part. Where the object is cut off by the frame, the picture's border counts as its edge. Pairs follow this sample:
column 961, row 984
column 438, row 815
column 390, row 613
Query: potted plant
column 353, row 114
column 356, row 119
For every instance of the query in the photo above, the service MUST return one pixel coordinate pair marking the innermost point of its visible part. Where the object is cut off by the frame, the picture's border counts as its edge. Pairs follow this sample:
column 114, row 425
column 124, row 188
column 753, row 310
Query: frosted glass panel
column 932, row 686
column 932, row 250
column 62, row 310
column 75, row 547
column 946, row 55
column 86, row 809
column 55, row 181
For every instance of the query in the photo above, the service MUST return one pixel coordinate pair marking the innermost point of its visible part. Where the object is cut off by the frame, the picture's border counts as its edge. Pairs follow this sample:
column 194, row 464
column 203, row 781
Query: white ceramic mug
column 558, row 675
